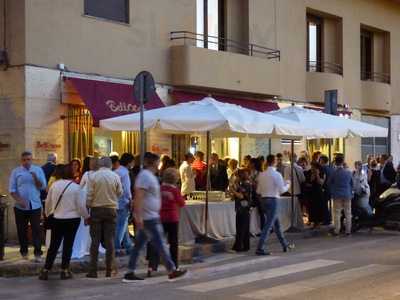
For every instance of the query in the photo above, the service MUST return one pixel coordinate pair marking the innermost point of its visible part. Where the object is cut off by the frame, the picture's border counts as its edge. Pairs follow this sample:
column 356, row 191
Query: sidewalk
column 15, row 266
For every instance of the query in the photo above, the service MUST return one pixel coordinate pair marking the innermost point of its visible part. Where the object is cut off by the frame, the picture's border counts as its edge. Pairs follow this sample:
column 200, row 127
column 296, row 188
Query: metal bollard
column 3, row 207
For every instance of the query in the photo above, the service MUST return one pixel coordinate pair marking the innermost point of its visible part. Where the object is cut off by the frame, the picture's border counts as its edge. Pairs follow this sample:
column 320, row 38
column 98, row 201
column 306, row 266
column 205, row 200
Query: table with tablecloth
column 222, row 219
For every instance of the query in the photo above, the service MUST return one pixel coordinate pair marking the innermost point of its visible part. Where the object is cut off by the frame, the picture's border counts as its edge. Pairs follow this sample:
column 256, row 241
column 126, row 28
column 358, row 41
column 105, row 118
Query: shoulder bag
column 48, row 223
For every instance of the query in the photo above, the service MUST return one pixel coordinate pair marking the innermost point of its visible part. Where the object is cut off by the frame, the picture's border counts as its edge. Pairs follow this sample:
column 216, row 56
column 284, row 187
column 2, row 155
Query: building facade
column 273, row 52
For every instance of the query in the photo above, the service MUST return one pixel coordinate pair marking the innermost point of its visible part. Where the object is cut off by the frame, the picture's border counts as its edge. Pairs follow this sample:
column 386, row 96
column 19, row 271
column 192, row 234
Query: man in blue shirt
column 26, row 182
column 341, row 187
column 124, row 202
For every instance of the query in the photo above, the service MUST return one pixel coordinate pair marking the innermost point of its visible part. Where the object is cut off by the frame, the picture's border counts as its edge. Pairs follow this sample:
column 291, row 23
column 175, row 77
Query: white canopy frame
column 208, row 116
column 321, row 125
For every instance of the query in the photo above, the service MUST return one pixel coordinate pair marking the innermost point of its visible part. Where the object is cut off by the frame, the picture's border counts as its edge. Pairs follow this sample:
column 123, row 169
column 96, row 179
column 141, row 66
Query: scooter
column 386, row 214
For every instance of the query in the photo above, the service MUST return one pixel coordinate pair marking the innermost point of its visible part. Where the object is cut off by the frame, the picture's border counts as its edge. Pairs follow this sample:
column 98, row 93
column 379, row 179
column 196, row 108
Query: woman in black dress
column 316, row 195
column 241, row 193
column 374, row 181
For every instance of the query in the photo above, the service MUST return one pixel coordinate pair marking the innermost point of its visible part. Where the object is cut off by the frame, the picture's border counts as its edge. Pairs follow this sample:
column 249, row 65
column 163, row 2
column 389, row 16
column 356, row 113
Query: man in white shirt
column 270, row 186
column 188, row 184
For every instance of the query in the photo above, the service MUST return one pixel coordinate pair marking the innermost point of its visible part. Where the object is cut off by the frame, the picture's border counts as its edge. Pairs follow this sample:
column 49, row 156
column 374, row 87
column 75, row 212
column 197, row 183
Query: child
column 242, row 195
column 172, row 200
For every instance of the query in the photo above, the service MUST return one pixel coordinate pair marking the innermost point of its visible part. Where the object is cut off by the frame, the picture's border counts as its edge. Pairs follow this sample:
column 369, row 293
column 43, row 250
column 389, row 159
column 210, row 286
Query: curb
column 187, row 254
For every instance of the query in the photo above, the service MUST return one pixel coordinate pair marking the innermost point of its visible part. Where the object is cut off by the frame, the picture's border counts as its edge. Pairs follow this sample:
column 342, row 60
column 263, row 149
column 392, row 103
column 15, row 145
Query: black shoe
column 262, row 253
column 131, row 277
column 289, row 247
column 65, row 275
column 176, row 275
column 44, row 274
column 91, row 275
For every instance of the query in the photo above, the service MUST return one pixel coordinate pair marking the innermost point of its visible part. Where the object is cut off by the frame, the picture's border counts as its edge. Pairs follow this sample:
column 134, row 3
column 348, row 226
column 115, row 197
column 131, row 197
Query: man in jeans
column 147, row 206
column 122, row 234
column 103, row 190
column 270, row 186
column 26, row 182
column 341, row 188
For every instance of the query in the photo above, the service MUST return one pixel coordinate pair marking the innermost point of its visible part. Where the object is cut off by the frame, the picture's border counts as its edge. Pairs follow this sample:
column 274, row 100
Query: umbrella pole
column 204, row 238
column 292, row 227
column 142, row 137
column 330, row 164
column 208, row 183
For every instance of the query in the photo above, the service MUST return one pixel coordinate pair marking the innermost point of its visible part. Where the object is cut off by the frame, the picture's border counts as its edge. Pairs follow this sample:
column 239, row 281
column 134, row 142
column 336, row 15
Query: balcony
column 324, row 67
column 225, row 64
column 322, row 76
column 375, row 76
column 224, row 44
column 376, row 95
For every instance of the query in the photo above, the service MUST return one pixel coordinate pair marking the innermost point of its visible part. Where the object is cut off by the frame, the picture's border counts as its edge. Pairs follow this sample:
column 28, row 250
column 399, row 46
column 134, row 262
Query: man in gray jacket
column 103, row 190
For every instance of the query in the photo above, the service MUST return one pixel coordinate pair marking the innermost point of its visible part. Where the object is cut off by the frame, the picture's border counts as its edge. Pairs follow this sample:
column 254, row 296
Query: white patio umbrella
column 321, row 125
column 207, row 116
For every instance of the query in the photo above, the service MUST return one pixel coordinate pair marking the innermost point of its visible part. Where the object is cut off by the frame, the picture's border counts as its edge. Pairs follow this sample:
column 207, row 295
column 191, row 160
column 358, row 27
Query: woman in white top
column 67, row 204
column 82, row 239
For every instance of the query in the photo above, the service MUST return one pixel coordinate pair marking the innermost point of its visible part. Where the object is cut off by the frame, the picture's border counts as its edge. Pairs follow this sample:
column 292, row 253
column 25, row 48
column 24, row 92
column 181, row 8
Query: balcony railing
column 375, row 76
column 224, row 44
column 324, row 66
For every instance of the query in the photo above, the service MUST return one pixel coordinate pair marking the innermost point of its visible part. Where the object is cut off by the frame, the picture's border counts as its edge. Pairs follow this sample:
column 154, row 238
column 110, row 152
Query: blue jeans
column 121, row 232
column 270, row 208
column 152, row 230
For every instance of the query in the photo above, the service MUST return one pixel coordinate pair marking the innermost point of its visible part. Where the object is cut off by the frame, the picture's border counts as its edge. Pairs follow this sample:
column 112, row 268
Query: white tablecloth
column 82, row 242
column 222, row 219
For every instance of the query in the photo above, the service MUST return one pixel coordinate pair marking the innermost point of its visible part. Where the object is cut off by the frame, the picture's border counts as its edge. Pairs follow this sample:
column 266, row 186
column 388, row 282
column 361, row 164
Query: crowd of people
column 107, row 193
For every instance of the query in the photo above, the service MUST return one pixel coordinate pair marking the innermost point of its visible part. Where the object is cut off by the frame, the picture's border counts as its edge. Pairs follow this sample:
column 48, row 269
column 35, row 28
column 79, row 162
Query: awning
column 108, row 99
column 261, row 106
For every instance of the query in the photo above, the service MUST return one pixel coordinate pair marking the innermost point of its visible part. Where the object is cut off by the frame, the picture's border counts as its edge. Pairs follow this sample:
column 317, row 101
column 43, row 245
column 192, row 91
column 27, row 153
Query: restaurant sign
column 43, row 147
column 108, row 99
column 46, row 146
column 5, row 146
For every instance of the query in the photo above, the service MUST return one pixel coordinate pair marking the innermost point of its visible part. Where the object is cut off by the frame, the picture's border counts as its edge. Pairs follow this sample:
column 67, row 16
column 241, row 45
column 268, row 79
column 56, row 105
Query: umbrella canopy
column 321, row 125
column 207, row 115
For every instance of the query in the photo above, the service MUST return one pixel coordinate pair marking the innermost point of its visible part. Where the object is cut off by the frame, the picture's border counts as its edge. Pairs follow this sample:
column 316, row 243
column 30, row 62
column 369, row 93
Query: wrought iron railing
column 324, row 66
column 224, row 44
column 375, row 76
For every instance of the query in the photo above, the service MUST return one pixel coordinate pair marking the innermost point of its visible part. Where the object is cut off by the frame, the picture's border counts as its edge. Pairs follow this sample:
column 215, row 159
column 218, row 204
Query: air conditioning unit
column 3, row 58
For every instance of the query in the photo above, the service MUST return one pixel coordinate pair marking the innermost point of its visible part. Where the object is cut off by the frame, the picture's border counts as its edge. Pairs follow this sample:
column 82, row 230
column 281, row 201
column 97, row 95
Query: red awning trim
column 106, row 99
column 340, row 111
column 261, row 106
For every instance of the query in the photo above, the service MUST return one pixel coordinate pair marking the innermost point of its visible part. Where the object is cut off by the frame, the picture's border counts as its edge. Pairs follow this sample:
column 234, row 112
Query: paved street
column 360, row 267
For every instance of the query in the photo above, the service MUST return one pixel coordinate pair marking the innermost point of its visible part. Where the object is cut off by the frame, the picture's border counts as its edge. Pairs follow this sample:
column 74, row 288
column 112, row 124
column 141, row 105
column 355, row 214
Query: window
column 115, row 10
column 314, row 43
column 210, row 24
column 366, row 54
column 375, row 146
column 324, row 42
column 375, row 54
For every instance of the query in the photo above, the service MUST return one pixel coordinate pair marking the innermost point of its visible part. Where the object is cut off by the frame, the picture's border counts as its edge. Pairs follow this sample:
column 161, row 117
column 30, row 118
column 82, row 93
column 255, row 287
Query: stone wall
column 12, row 129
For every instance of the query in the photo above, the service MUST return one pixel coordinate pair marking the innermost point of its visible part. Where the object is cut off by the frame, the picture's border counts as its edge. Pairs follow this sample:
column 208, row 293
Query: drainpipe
column 6, row 62
column 4, row 24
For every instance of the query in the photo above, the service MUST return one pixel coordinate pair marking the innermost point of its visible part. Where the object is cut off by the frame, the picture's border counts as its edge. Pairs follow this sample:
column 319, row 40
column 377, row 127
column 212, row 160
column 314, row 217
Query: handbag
column 48, row 222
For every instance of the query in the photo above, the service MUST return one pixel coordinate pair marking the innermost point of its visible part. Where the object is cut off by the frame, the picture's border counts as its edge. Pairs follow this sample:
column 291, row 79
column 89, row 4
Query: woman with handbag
column 65, row 205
